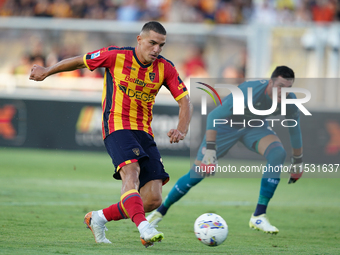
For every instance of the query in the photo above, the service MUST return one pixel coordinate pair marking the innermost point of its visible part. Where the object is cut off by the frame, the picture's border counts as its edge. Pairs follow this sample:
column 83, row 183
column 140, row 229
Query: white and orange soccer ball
column 211, row 229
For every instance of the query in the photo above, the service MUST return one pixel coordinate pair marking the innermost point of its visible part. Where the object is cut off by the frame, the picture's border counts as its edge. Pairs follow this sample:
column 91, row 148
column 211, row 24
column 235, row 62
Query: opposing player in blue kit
column 262, row 140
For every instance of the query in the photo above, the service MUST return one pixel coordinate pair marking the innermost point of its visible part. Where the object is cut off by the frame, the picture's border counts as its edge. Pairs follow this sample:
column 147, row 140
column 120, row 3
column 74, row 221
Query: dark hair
column 284, row 72
column 154, row 26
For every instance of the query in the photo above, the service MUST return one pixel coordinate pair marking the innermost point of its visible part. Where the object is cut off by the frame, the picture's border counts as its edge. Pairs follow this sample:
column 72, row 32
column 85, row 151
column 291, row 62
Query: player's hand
column 209, row 161
column 38, row 73
column 296, row 169
column 175, row 135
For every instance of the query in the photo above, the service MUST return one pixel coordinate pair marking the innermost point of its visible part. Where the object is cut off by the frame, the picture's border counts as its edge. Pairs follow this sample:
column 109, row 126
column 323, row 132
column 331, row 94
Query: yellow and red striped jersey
column 130, row 87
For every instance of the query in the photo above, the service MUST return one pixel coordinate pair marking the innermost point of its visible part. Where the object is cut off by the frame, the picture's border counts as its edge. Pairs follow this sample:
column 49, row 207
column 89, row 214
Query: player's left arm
column 184, row 117
column 296, row 169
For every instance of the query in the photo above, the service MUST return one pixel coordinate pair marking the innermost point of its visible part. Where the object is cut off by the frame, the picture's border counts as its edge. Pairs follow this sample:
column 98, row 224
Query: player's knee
column 280, row 154
column 152, row 203
column 276, row 153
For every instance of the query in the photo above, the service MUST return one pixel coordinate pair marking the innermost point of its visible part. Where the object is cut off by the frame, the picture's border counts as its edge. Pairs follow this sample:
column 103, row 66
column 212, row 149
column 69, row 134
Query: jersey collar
column 138, row 61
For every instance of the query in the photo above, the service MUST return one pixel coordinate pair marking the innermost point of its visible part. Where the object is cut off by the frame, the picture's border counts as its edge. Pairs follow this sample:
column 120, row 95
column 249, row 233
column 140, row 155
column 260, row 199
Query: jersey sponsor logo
column 140, row 95
column 149, row 85
column 95, row 55
column 139, row 82
column 131, row 68
column 152, row 76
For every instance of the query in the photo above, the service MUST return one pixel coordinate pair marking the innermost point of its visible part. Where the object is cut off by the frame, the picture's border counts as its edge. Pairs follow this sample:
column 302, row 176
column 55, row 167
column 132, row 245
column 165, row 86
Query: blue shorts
column 228, row 136
column 129, row 146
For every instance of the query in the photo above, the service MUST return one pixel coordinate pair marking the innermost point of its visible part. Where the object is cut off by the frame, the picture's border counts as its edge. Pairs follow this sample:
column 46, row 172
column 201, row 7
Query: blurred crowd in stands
column 192, row 65
column 209, row 11
column 199, row 11
column 36, row 55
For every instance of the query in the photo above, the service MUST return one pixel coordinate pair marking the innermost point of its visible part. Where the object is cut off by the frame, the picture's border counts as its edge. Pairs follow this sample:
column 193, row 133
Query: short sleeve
column 173, row 82
column 99, row 58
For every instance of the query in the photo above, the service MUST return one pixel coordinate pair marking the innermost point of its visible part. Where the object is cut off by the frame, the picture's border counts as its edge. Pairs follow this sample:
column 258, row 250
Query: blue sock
column 162, row 209
column 182, row 186
column 275, row 155
column 262, row 204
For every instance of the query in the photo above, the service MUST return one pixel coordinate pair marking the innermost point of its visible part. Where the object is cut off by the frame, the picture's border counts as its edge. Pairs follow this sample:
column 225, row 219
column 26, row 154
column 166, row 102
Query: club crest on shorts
column 136, row 151
column 152, row 76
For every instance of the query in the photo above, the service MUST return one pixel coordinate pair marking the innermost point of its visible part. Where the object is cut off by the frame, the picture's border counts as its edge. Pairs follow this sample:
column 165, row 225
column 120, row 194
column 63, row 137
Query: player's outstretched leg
column 182, row 187
column 97, row 225
column 275, row 155
column 132, row 204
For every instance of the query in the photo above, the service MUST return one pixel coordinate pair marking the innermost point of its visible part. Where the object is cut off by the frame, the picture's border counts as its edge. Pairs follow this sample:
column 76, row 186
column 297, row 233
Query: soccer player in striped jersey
column 133, row 77
column 263, row 140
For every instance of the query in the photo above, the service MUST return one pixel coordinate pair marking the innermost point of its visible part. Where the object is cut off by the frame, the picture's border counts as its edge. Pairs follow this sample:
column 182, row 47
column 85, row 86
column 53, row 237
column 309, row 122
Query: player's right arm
column 39, row 73
column 209, row 160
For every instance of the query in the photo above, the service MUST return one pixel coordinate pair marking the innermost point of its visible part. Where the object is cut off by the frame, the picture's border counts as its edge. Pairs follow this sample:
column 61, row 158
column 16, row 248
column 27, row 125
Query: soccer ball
column 211, row 229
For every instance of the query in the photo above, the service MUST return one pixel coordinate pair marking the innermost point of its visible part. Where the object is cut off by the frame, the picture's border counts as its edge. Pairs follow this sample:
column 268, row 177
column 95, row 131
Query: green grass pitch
column 44, row 195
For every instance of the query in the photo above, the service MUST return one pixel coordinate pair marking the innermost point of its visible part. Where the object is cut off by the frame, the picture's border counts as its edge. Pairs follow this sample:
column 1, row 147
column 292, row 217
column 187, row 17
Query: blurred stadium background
column 206, row 38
